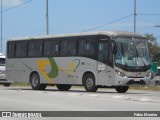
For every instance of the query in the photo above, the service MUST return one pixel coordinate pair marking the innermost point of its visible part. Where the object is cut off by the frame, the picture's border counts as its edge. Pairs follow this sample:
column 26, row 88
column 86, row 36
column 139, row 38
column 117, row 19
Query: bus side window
column 72, row 45
column 21, row 49
column 86, row 47
column 35, row 49
column 63, row 47
column 11, row 50
column 31, row 49
column 55, row 47
column 89, row 47
column 81, row 47
column 51, row 48
column 47, row 48
column 24, row 49
column 38, row 49
column 18, row 49
column 103, row 52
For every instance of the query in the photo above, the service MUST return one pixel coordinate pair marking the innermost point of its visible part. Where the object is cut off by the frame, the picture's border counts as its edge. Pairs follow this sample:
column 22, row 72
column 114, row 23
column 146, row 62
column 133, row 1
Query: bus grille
column 131, row 82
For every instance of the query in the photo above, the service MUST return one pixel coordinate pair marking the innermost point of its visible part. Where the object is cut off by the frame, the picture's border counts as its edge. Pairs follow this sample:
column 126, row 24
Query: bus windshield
column 132, row 54
column 2, row 61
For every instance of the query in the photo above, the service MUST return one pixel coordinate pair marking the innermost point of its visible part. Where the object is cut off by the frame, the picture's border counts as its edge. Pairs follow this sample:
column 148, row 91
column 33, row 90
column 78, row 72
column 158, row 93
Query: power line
column 108, row 23
column 148, row 14
column 157, row 25
column 17, row 5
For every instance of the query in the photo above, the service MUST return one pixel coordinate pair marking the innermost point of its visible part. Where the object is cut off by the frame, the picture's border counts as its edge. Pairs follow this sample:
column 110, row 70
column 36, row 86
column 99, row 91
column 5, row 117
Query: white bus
column 94, row 60
column 3, row 80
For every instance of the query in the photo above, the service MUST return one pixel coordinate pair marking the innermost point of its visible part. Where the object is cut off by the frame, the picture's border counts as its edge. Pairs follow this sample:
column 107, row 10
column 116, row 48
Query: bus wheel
column 156, row 83
column 7, row 84
column 64, row 87
column 43, row 86
column 89, row 83
column 35, row 82
column 122, row 89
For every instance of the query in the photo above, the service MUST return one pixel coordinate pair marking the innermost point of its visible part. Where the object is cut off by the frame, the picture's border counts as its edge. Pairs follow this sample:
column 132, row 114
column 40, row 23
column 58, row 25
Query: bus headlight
column 120, row 73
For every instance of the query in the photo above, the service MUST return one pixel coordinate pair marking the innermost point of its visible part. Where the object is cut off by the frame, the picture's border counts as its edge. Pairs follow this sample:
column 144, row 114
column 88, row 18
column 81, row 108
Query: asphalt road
column 26, row 99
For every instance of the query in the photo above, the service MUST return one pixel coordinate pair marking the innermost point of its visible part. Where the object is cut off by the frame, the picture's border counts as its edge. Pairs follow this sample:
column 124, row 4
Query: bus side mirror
column 114, row 47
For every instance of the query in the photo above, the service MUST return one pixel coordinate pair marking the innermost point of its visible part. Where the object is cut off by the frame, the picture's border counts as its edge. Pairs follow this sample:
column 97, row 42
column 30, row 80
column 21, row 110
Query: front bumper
column 134, row 81
column 6, row 82
column 3, row 80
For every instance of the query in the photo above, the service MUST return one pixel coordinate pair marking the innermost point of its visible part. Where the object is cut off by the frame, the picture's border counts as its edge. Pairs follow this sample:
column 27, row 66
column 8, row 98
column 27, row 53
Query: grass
column 20, row 84
column 151, row 88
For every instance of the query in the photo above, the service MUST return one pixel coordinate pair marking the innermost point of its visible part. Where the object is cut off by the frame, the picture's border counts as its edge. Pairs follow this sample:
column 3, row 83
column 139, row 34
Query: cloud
column 11, row 3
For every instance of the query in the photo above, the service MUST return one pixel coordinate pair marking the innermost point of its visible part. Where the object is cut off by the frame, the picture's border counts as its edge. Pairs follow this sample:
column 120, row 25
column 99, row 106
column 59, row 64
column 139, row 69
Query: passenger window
column 21, row 49
column 11, row 50
column 54, row 48
column 63, row 47
column 24, row 49
column 35, row 49
column 86, row 47
column 103, row 52
column 72, row 45
column 18, row 49
column 81, row 47
column 47, row 48
column 38, row 49
column 31, row 49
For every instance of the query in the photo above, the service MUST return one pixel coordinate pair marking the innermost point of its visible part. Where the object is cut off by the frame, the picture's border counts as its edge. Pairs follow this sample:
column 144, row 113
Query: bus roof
column 109, row 33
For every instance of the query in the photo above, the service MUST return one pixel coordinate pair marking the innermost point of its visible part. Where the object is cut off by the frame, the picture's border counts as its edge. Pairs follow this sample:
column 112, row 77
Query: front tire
column 7, row 84
column 63, row 87
column 157, row 83
column 122, row 89
column 89, row 83
column 35, row 82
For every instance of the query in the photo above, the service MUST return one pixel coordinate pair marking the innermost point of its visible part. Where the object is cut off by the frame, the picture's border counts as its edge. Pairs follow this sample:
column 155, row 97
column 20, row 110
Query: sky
column 74, row 16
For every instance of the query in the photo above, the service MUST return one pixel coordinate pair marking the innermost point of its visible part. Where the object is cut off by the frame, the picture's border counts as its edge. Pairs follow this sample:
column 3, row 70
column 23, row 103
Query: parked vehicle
column 3, row 80
column 156, row 79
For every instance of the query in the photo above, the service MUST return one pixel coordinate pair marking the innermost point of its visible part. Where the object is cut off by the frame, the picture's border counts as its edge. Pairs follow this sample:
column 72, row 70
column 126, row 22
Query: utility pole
column 47, row 18
column 135, row 14
column 1, row 24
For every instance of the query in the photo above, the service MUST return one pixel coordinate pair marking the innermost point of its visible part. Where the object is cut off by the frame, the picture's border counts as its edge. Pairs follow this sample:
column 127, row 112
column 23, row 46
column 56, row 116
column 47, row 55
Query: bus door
column 102, row 68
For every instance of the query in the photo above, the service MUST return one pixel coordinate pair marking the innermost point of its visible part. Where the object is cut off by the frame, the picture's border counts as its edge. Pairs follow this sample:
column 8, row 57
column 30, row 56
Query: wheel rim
column 89, row 82
column 35, row 81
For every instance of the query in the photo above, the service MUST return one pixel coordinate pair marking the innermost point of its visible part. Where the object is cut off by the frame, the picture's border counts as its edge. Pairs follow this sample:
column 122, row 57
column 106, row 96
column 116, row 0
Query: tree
column 151, row 38
column 153, row 47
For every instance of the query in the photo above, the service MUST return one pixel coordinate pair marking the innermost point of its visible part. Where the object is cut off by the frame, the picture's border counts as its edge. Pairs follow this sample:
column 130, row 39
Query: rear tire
column 35, row 82
column 63, row 87
column 89, row 83
column 122, row 89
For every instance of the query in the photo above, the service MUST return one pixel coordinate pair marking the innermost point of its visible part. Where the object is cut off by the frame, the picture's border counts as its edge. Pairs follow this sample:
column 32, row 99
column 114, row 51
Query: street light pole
column 1, row 24
column 135, row 14
column 47, row 18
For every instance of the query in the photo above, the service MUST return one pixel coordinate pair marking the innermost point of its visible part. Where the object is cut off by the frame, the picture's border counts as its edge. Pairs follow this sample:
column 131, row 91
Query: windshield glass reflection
column 132, row 52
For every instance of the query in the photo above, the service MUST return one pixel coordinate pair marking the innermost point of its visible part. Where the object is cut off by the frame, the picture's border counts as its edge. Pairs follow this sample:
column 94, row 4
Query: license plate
column 136, row 79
